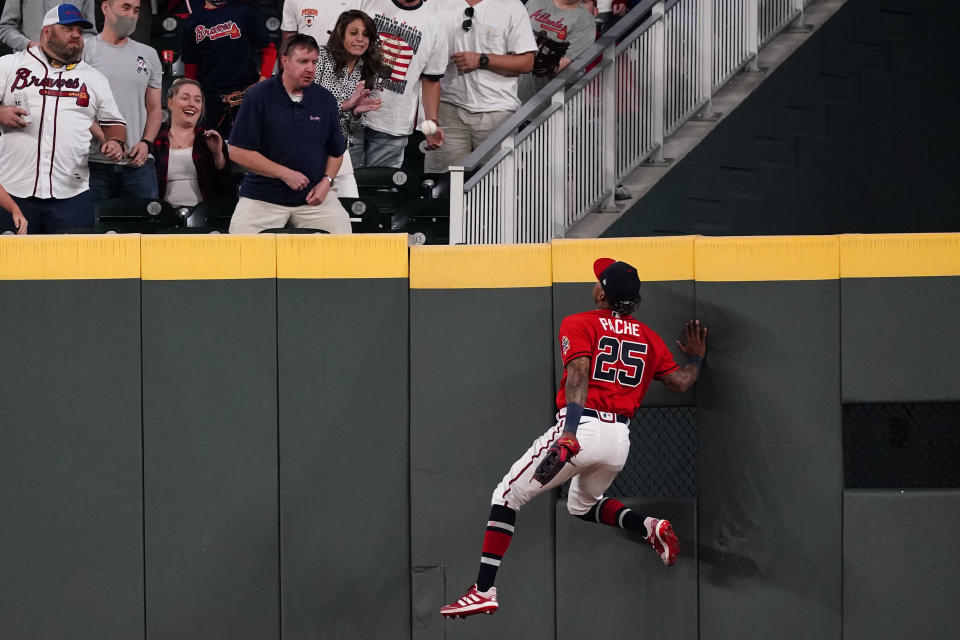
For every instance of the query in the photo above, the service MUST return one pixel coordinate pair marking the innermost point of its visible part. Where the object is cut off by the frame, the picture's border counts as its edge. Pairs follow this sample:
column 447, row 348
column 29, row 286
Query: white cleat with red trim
column 472, row 603
column 663, row 540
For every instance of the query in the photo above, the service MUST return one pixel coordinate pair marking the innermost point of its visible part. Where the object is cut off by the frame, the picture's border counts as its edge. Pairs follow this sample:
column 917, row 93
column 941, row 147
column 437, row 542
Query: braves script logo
column 56, row 87
column 227, row 29
column 554, row 26
column 309, row 15
column 399, row 42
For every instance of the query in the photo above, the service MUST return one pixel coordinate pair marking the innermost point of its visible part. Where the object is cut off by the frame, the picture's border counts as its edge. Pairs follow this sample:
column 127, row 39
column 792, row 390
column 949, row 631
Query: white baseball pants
column 604, row 447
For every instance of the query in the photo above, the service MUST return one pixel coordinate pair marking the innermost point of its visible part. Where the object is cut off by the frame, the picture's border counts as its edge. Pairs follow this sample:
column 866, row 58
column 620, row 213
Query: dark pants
column 122, row 181
column 50, row 215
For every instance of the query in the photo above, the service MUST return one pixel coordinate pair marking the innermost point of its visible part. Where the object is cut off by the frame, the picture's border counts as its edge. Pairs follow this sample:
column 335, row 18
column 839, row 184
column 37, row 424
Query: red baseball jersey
column 625, row 357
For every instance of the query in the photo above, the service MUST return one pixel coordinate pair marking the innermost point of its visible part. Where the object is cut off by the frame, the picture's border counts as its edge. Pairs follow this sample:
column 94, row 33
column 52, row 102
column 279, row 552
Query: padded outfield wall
column 297, row 437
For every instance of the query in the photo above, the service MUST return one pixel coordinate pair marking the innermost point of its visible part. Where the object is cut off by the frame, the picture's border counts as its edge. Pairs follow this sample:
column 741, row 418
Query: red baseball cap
column 619, row 280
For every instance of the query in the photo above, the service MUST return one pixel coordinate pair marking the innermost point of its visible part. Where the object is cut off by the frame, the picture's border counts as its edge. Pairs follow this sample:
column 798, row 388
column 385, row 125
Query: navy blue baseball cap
column 619, row 280
column 66, row 14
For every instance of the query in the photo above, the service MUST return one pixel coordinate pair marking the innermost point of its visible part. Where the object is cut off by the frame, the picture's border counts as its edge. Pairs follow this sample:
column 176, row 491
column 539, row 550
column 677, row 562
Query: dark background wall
column 854, row 133
column 298, row 437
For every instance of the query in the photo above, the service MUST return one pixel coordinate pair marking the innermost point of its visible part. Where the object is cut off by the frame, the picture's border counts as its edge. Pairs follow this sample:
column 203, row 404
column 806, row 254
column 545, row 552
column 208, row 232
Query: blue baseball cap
column 619, row 280
column 66, row 14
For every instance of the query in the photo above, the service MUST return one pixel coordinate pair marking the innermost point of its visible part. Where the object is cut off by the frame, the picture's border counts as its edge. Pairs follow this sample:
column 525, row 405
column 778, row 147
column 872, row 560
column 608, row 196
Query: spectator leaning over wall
column 313, row 18
column 414, row 51
column 136, row 77
column 288, row 138
column 491, row 44
column 22, row 20
column 218, row 51
column 50, row 99
column 564, row 30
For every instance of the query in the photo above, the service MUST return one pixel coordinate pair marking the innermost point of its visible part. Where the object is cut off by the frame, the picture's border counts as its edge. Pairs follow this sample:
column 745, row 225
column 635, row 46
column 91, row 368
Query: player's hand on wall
column 295, row 180
column 695, row 339
column 10, row 118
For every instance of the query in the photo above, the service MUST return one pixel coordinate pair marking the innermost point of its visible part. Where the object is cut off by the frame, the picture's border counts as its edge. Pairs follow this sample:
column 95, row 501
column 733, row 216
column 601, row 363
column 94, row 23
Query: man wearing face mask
column 135, row 76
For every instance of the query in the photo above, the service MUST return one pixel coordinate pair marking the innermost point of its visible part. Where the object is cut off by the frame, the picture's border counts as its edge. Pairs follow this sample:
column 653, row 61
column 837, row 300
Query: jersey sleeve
column 665, row 362
column 6, row 63
column 575, row 339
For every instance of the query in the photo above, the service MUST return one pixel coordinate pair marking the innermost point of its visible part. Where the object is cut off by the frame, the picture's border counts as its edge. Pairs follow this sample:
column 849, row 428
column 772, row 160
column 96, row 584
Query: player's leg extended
column 586, row 500
column 516, row 489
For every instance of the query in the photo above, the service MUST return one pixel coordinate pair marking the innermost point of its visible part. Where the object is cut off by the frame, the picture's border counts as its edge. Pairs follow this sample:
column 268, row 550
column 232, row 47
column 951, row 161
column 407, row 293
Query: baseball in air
column 429, row 127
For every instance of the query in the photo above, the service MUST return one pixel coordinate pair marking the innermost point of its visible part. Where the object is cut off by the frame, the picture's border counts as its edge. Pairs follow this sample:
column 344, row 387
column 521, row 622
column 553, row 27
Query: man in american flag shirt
column 414, row 48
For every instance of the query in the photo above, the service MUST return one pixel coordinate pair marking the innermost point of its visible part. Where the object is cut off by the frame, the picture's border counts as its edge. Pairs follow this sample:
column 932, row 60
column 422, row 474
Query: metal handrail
column 561, row 154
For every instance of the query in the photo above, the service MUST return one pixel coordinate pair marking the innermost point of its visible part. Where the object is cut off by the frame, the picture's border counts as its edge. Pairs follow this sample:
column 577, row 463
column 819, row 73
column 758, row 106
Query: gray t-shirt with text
column 575, row 26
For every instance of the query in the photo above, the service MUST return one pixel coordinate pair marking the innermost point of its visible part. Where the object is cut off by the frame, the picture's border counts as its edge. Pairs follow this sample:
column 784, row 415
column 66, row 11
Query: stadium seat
column 365, row 215
column 295, row 230
column 214, row 213
column 382, row 179
column 134, row 215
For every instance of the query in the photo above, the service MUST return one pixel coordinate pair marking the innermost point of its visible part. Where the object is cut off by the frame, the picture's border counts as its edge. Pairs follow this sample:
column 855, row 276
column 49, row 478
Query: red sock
column 496, row 540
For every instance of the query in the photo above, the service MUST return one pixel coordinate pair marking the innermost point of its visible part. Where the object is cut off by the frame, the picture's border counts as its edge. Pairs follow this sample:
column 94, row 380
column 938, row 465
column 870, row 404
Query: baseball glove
column 233, row 99
column 559, row 454
column 547, row 60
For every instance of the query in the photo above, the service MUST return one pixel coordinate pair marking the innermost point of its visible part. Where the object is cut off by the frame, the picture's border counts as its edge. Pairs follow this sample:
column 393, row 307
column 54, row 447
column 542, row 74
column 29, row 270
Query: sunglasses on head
column 467, row 24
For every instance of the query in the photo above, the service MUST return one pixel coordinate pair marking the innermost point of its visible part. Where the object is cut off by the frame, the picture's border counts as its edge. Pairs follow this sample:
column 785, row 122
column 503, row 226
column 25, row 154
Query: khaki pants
column 464, row 131
column 253, row 216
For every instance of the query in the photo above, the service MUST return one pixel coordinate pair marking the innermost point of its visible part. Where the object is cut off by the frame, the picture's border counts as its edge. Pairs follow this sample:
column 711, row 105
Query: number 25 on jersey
column 619, row 361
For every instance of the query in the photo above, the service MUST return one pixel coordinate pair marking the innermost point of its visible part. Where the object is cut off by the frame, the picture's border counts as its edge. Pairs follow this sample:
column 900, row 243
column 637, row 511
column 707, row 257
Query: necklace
column 176, row 143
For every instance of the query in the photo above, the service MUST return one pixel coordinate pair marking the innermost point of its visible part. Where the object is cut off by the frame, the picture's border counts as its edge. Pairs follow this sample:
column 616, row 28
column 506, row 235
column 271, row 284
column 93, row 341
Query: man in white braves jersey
column 610, row 359
column 53, row 98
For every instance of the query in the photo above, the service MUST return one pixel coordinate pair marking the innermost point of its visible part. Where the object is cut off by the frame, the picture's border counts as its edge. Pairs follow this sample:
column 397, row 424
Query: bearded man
column 50, row 99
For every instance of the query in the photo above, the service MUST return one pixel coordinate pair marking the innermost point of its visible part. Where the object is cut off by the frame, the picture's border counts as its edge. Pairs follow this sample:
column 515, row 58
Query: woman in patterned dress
column 349, row 67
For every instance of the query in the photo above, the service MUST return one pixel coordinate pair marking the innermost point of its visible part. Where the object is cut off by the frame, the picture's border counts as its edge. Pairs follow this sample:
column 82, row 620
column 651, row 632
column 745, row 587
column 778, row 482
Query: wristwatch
column 484, row 61
column 328, row 178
